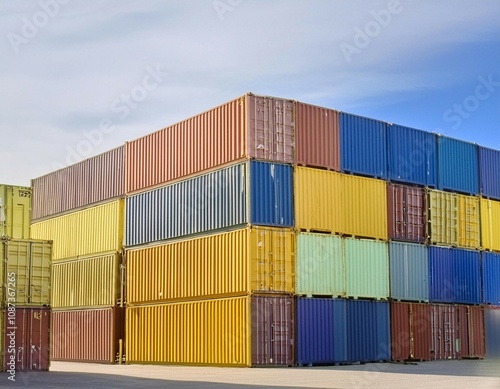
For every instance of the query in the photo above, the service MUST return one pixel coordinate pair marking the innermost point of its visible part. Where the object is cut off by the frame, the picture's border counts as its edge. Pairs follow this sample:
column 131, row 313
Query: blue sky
column 69, row 66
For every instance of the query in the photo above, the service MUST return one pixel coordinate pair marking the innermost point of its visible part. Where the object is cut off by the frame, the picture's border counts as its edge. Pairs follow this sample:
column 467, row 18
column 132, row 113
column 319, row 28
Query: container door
column 414, row 208
column 38, row 335
column 281, row 331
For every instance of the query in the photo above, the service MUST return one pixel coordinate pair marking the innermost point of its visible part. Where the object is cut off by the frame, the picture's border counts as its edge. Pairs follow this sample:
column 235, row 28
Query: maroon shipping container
column 406, row 213
column 445, row 332
column 272, row 330
column 317, row 137
column 87, row 335
column 472, row 337
column 411, row 336
column 26, row 339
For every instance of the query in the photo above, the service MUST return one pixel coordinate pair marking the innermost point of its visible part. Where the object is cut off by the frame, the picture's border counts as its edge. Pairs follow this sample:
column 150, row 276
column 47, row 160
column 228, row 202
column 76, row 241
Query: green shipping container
column 367, row 268
column 15, row 211
column 320, row 266
column 25, row 272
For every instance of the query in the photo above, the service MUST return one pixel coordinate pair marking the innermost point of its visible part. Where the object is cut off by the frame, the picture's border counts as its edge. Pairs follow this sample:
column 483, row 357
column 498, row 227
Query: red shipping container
column 472, row 337
column 406, row 213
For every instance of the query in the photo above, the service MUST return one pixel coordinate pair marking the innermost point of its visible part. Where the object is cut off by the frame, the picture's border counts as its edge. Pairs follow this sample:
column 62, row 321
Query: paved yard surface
column 474, row 374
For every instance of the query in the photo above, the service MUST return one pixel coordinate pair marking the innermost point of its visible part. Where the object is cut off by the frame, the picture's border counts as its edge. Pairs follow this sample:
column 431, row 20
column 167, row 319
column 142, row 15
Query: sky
column 81, row 77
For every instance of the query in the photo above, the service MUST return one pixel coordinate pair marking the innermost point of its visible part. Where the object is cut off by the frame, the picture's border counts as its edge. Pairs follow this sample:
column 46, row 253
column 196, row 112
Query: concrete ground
column 474, row 374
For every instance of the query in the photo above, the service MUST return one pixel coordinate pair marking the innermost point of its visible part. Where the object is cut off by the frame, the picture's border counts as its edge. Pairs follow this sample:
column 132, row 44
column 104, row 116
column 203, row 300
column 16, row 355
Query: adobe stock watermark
column 123, row 106
column 364, row 36
column 31, row 26
column 224, row 6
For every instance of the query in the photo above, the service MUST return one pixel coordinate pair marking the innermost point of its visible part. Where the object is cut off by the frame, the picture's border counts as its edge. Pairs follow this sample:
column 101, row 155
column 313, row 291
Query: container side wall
column 489, row 172
column 491, row 277
column 490, row 220
column 467, row 276
column 492, row 324
column 15, row 210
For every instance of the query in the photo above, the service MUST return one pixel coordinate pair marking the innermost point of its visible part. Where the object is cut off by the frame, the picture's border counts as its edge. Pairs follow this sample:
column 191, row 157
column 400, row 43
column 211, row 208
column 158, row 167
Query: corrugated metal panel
column 212, row 201
column 409, row 271
column 2, row 344
column 367, row 268
column 489, row 172
column 445, row 332
column 86, row 282
column 15, row 208
column 468, row 218
column 406, row 213
column 93, row 180
column 27, row 339
column 90, row 231
column 490, row 220
column 273, row 331
column 411, row 335
column 321, row 331
column 25, row 272
column 455, row 275
column 200, row 332
column 471, row 330
column 443, row 217
column 368, row 331
column 364, row 204
column 317, row 137
column 320, row 268
column 363, row 145
column 491, row 276
column 492, row 330
column 458, row 166
column 87, row 335
column 240, row 262
column 412, row 156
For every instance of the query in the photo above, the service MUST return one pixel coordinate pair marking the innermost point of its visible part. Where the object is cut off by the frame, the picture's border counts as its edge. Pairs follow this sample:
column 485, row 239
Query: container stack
column 25, row 292
column 209, row 240
column 80, row 208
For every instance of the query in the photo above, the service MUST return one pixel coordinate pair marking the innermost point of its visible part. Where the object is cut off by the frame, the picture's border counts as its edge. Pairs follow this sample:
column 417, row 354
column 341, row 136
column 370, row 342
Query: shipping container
column 471, row 331
column 412, row 156
column 15, row 209
column 93, row 230
column 491, row 277
column 91, row 335
column 25, row 272
column 338, row 203
column 442, row 217
column 406, row 213
column 87, row 282
column 492, row 332
column 411, row 332
column 489, row 172
column 317, row 137
column 26, row 338
column 490, row 220
column 320, row 268
column 251, row 192
column 468, row 221
column 454, row 275
column 2, row 344
column 91, row 181
column 248, row 127
column 445, row 332
column 409, row 271
column 238, row 331
column 366, row 268
column 235, row 263
column 458, row 166
column 363, row 145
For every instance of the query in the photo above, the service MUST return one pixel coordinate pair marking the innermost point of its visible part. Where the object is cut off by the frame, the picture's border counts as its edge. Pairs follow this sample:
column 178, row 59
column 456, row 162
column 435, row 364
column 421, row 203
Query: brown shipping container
column 406, row 213
column 472, row 337
column 411, row 331
column 26, row 338
column 87, row 335
column 317, row 139
column 91, row 181
column 445, row 332
column 247, row 127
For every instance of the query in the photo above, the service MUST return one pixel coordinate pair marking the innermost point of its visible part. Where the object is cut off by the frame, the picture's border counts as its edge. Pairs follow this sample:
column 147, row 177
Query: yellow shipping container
column 89, row 231
column 443, row 217
column 468, row 221
column 15, row 211
column 87, row 282
column 235, row 263
column 490, row 224
column 340, row 203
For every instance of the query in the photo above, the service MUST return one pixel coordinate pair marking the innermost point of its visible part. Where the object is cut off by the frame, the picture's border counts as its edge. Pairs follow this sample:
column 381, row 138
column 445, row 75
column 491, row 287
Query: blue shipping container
column 491, row 278
column 412, row 156
column 489, row 172
column 363, row 145
column 458, row 166
column 409, row 271
column 212, row 201
column 492, row 332
column 454, row 275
